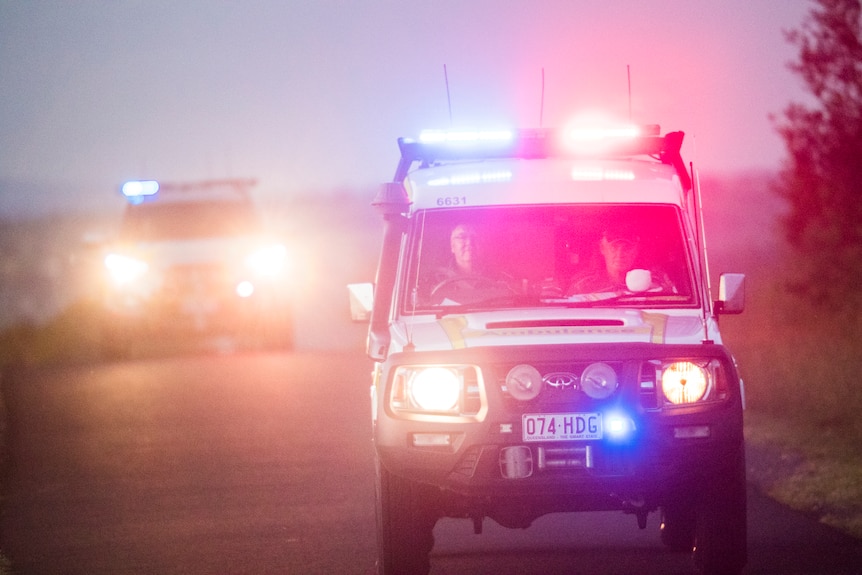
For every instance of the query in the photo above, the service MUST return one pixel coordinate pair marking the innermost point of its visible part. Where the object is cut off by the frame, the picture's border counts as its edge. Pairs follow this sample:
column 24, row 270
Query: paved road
column 262, row 464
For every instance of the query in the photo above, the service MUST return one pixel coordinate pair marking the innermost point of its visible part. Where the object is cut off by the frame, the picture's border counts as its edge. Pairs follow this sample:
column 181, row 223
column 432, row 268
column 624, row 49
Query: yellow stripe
column 658, row 323
column 454, row 328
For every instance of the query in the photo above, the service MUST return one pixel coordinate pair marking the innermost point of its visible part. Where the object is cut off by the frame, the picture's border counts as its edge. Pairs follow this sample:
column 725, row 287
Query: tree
column 822, row 178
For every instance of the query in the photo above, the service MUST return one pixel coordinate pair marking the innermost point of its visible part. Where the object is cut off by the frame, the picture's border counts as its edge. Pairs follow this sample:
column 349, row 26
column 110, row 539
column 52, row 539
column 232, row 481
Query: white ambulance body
column 545, row 340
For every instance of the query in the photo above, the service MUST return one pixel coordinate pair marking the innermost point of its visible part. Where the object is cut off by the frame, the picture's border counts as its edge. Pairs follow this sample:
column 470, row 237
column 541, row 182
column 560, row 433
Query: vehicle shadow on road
column 781, row 542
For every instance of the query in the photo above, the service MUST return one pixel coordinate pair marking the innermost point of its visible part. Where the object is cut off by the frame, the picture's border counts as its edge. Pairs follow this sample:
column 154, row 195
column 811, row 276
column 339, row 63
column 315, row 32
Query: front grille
column 193, row 279
column 648, row 385
column 561, row 384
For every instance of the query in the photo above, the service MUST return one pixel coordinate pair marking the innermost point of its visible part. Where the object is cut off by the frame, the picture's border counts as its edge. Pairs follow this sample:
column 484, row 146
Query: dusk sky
column 310, row 95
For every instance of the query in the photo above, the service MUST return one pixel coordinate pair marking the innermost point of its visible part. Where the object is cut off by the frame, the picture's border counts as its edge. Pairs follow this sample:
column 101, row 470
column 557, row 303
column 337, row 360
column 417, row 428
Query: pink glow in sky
column 311, row 94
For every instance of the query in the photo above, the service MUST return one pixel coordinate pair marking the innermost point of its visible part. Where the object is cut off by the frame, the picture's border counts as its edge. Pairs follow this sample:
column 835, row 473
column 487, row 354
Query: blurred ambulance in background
column 193, row 260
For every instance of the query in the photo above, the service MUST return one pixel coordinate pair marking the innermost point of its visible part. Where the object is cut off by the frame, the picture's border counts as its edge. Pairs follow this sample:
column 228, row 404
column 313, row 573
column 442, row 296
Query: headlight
column 437, row 389
column 125, row 269
column 268, row 260
column 685, row 382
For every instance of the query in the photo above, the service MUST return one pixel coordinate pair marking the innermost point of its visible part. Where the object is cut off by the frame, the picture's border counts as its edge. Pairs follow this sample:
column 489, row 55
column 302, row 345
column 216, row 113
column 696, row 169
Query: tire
column 406, row 514
column 678, row 524
column 721, row 533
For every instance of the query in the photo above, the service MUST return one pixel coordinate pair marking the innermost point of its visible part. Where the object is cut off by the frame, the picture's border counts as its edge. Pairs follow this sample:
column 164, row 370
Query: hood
column 551, row 327
column 202, row 251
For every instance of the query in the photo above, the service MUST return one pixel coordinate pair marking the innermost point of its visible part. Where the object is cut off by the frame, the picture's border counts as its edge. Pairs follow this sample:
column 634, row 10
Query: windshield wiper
column 578, row 301
column 490, row 304
column 601, row 299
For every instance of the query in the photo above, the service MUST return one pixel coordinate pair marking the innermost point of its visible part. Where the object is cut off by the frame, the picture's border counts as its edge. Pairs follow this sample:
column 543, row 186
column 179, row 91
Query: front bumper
column 488, row 461
column 195, row 305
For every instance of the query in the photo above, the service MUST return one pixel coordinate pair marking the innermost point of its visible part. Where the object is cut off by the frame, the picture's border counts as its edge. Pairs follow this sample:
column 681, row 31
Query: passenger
column 620, row 250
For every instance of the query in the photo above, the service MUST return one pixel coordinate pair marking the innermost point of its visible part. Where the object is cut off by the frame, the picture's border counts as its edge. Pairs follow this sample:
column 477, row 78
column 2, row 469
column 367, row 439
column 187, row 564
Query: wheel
column 678, row 523
column 406, row 514
column 721, row 531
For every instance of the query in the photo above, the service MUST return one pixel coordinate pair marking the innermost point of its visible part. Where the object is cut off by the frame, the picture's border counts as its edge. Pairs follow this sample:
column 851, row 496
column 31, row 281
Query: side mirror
column 731, row 294
column 361, row 301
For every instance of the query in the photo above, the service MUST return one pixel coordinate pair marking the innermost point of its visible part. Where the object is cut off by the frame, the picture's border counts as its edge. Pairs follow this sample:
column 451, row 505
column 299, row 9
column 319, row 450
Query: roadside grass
column 815, row 471
column 71, row 337
column 5, row 566
column 75, row 337
column 801, row 366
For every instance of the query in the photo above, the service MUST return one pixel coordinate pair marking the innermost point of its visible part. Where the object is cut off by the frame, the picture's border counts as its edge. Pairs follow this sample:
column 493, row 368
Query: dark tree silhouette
column 822, row 177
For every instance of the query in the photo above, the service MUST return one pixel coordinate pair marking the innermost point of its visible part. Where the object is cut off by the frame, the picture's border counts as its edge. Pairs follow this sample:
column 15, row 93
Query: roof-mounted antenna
column 542, row 103
column 629, row 75
column 448, row 96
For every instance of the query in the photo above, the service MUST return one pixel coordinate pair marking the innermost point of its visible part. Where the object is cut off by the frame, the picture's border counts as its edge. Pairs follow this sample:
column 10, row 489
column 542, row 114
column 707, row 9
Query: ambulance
column 193, row 262
column 545, row 339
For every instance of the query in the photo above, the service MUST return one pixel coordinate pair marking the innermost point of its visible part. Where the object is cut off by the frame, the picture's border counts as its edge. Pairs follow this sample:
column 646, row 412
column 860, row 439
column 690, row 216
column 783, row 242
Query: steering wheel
column 475, row 284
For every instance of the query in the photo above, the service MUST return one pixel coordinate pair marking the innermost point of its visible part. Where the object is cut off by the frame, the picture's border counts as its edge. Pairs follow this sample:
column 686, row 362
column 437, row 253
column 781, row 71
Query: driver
column 466, row 277
column 462, row 242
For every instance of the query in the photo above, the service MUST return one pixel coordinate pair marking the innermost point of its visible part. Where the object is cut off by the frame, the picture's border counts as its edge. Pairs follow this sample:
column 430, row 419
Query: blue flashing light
column 618, row 426
column 136, row 191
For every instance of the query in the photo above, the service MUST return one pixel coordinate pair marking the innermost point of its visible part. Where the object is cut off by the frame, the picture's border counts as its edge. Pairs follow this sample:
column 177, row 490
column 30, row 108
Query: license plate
column 561, row 426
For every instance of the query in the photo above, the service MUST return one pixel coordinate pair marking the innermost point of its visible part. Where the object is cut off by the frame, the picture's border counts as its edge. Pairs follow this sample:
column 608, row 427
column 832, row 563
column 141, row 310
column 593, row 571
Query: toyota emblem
column 561, row 379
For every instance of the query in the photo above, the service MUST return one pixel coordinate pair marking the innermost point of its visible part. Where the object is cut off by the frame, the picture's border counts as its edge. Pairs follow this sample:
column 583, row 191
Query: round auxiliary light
column 524, row 382
column 599, row 380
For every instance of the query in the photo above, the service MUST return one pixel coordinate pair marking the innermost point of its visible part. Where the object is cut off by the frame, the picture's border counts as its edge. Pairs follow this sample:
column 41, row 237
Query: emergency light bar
column 241, row 185
column 466, row 137
column 139, row 191
column 437, row 146
column 602, row 134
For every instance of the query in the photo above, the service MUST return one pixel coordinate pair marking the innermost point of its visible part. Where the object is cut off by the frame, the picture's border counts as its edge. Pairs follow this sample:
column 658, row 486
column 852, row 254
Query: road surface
column 261, row 463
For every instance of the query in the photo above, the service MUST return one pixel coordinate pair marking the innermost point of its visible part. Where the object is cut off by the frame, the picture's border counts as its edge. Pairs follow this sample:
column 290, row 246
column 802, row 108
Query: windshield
column 155, row 221
column 569, row 255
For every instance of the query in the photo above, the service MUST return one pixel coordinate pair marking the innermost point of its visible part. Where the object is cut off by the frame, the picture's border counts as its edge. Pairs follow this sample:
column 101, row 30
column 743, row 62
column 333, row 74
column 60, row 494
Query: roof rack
column 539, row 144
